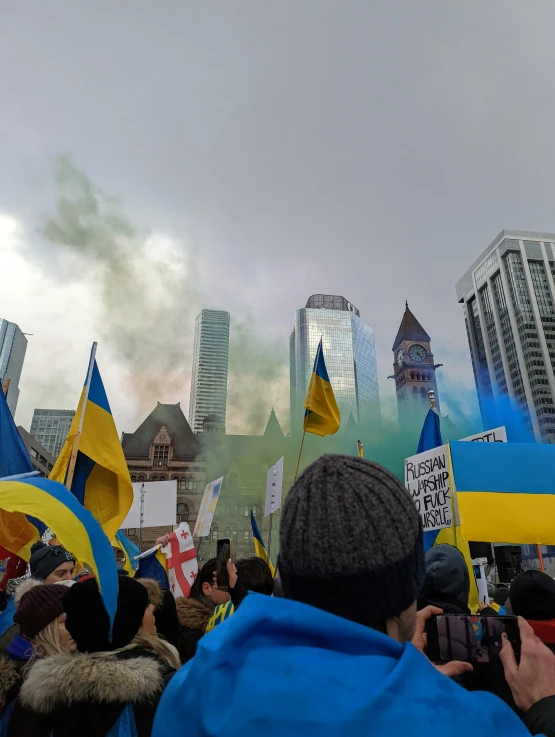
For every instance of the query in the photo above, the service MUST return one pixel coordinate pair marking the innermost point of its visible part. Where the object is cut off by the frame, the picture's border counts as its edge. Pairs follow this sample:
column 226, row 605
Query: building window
column 140, row 479
column 161, row 453
column 190, row 483
column 234, row 534
column 162, row 478
column 228, row 532
column 154, row 478
column 33, row 453
column 182, row 484
column 246, row 511
column 132, row 531
column 254, row 510
column 133, row 479
column 215, row 534
column 247, row 536
column 182, row 512
column 232, row 483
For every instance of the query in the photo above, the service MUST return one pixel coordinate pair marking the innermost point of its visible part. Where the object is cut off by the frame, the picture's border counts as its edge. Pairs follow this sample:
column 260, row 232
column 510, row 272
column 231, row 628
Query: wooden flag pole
column 540, row 558
column 74, row 450
column 299, row 458
column 452, row 493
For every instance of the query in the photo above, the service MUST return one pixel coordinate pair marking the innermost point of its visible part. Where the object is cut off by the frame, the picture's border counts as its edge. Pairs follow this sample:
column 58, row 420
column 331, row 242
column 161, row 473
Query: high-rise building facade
column 509, row 308
column 349, row 352
column 210, row 366
column 50, row 427
column 13, row 346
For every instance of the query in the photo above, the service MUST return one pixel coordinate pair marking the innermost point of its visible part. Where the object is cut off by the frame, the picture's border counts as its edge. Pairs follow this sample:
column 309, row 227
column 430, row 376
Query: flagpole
column 308, row 408
column 540, row 558
column 73, row 459
column 270, row 535
column 452, row 493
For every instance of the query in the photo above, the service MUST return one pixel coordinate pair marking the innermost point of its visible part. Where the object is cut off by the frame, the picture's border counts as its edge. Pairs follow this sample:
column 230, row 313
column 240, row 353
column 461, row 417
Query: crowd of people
column 336, row 644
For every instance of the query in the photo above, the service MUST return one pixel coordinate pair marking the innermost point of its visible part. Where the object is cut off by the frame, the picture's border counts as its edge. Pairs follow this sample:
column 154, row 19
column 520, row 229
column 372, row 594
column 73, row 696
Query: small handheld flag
column 153, row 564
column 322, row 416
column 182, row 561
column 129, row 549
column 360, row 449
column 259, row 547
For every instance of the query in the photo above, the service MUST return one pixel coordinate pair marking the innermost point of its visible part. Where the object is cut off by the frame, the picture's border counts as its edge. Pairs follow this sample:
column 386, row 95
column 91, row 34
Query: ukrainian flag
column 76, row 528
column 259, row 547
column 130, row 552
column 154, row 565
column 322, row 415
column 101, row 480
column 505, row 491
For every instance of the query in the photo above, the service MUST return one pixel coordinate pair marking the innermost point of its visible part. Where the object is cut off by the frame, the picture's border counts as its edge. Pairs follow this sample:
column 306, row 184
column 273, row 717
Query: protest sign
column 428, row 481
column 160, row 500
column 274, row 484
column 207, row 508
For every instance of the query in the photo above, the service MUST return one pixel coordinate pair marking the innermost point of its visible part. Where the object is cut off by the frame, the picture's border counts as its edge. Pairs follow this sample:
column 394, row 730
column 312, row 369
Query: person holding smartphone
column 343, row 652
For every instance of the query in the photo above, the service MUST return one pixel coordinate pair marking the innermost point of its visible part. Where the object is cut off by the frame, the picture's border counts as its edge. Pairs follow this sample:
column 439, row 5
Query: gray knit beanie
column 351, row 541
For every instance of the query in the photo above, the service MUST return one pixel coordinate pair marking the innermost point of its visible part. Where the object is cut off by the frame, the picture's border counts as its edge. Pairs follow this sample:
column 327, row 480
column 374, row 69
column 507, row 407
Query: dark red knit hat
column 38, row 607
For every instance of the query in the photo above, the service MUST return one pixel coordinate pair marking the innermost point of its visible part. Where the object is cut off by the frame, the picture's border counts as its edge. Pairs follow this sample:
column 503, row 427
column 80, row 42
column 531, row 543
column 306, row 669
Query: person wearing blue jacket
column 342, row 653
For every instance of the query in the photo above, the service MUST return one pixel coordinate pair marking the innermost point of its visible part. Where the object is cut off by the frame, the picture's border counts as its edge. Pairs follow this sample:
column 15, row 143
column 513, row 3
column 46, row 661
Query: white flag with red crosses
column 182, row 560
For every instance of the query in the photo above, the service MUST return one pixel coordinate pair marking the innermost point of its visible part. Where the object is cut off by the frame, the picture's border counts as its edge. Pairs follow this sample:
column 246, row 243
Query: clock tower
column 414, row 371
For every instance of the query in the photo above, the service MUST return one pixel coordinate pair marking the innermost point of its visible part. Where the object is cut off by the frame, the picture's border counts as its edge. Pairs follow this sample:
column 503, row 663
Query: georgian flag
column 182, row 560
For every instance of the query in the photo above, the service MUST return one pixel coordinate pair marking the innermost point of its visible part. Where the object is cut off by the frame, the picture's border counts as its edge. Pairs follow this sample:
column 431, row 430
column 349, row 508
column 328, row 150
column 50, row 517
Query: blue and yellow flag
column 322, row 415
column 154, row 565
column 76, row 528
column 130, row 552
column 430, row 438
column 259, row 547
column 505, row 491
column 101, row 480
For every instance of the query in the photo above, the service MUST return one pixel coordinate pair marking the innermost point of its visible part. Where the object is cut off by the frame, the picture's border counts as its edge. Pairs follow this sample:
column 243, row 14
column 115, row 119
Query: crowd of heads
column 350, row 546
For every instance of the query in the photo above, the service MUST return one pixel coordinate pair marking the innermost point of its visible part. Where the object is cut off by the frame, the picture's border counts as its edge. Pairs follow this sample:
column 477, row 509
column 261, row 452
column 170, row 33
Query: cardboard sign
column 208, row 508
column 274, row 484
column 160, row 503
column 428, row 481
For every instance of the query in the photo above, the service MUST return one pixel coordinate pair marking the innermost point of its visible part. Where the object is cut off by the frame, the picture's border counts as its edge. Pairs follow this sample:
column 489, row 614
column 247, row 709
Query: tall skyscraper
column 414, row 371
column 210, row 364
column 50, row 427
column 509, row 296
column 13, row 346
column 349, row 352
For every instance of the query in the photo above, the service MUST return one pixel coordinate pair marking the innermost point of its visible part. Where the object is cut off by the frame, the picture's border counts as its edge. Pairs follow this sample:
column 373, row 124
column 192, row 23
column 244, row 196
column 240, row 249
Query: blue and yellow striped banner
column 101, row 480
column 259, row 547
column 505, row 491
column 76, row 528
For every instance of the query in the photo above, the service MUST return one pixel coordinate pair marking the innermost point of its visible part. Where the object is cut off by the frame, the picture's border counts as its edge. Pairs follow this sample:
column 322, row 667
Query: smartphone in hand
column 223, row 555
column 472, row 639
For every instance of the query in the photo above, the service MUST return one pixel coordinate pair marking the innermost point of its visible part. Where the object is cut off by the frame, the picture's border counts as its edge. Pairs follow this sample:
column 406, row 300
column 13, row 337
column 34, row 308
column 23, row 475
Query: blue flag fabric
column 14, row 458
column 154, row 566
column 430, row 437
column 291, row 655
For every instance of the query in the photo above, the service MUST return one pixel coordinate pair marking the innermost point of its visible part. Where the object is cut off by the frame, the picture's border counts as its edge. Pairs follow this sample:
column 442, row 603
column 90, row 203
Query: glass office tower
column 13, row 346
column 349, row 352
column 509, row 296
column 50, row 427
column 210, row 366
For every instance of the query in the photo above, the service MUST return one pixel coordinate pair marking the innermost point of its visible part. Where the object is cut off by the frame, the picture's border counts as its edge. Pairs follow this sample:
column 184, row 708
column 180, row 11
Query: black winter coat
column 84, row 695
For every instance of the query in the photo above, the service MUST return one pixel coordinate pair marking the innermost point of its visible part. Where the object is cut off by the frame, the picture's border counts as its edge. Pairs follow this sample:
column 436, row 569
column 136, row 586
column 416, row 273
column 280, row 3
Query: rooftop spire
column 410, row 329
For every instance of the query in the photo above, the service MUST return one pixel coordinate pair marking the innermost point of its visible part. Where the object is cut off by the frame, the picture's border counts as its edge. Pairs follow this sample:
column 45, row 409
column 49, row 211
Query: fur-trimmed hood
column 61, row 680
column 155, row 594
column 192, row 614
column 9, row 676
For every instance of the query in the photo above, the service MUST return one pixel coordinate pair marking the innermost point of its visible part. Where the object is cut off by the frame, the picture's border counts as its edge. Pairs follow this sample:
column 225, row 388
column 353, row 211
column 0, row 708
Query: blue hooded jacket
column 278, row 667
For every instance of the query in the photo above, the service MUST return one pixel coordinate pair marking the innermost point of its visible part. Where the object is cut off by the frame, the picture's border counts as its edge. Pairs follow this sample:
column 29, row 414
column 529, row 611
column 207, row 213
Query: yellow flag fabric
column 322, row 416
column 101, row 480
column 450, row 536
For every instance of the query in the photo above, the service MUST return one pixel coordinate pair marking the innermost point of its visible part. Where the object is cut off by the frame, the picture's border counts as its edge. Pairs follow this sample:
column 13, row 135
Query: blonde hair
column 161, row 648
column 47, row 641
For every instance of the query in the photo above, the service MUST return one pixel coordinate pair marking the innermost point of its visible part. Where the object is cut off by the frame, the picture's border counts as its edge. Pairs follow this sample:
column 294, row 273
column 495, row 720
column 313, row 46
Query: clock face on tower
column 400, row 356
column 418, row 354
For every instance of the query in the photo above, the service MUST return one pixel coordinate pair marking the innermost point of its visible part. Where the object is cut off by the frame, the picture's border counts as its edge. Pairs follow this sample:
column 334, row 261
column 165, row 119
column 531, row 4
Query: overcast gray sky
column 284, row 147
